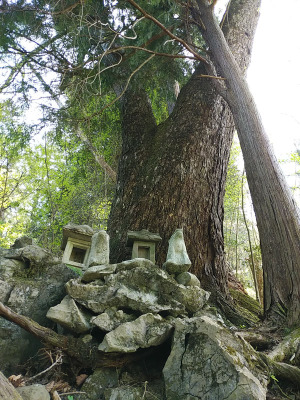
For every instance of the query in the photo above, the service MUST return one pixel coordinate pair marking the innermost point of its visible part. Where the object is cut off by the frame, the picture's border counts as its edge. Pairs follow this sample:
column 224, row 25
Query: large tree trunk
column 276, row 212
column 173, row 175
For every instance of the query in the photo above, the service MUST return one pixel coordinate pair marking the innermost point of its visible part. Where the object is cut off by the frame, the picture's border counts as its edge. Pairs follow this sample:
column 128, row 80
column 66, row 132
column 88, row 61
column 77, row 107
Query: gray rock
column 99, row 253
column 144, row 235
column 146, row 331
column 147, row 290
column 5, row 290
column 33, row 255
column 188, row 279
column 98, row 272
column 134, row 263
column 111, row 319
column 76, row 232
column 30, row 297
column 34, row 392
column 9, row 268
column 209, row 362
column 22, row 242
column 70, row 316
column 177, row 258
column 125, row 392
column 96, row 384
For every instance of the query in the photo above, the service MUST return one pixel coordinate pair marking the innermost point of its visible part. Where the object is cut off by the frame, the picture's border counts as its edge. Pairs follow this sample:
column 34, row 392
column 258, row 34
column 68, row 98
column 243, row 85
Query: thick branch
column 168, row 32
column 86, row 354
column 98, row 157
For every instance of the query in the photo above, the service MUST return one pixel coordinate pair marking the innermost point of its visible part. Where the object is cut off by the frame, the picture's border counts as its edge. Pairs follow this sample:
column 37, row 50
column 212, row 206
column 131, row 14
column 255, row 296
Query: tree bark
column 173, row 175
column 277, row 215
column 7, row 391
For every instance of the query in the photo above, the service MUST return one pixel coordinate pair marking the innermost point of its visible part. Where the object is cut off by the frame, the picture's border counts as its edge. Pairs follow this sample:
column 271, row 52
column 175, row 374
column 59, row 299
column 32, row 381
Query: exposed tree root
column 87, row 354
column 288, row 349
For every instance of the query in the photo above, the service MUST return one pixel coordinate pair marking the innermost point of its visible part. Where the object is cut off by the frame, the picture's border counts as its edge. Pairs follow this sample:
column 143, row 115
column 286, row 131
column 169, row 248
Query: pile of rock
column 136, row 304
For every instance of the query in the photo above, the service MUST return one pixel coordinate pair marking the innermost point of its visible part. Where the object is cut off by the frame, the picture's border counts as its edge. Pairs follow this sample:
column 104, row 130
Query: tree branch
column 168, row 32
column 86, row 354
column 98, row 157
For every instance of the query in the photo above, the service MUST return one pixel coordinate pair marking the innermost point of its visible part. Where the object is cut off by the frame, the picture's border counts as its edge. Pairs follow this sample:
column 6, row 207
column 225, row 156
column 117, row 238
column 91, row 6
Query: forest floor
column 64, row 379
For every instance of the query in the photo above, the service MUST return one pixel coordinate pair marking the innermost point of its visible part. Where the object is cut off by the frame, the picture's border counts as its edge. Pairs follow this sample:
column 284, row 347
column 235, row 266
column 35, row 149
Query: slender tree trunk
column 251, row 257
column 276, row 212
column 173, row 175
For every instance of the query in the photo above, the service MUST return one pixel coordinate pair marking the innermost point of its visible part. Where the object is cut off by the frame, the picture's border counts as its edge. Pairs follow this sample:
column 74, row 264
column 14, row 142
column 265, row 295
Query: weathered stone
column 209, row 362
column 33, row 255
column 96, row 384
column 134, row 263
column 146, row 331
column 177, row 258
column 5, row 290
column 188, row 279
column 10, row 268
column 99, row 253
column 76, row 232
column 125, row 392
column 143, row 235
column 111, row 319
column 143, row 244
column 140, row 289
column 22, row 242
column 34, row 392
column 30, row 297
column 70, row 316
column 98, row 272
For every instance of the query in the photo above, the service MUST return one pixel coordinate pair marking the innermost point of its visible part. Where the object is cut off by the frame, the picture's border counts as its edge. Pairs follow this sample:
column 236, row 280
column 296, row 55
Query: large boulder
column 29, row 286
column 34, row 392
column 146, row 331
column 209, row 362
column 142, row 289
column 97, row 383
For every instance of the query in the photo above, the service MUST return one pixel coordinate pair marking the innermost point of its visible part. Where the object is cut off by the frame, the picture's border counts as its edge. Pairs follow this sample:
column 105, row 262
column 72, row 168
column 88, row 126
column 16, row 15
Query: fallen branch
column 87, row 354
column 58, row 361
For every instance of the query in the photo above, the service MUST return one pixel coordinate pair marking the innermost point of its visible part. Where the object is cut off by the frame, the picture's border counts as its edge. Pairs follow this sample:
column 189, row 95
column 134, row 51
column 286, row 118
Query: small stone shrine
column 143, row 244
column 76, row 244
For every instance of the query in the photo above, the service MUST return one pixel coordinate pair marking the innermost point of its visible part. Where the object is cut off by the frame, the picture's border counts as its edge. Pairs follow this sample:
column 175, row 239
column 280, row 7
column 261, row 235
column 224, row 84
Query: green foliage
column 75, row 269
column 72, row 188
column 15, row 172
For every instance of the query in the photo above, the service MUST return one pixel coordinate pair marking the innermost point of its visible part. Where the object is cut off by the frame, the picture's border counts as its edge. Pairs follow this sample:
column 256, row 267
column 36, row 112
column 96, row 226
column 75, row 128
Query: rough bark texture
column 276, row 212
column 7, row 391
column 173, row 175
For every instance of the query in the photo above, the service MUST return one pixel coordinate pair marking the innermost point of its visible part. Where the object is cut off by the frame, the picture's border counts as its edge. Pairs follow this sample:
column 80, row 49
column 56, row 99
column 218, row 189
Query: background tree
column 14, row 174
column 277, row 215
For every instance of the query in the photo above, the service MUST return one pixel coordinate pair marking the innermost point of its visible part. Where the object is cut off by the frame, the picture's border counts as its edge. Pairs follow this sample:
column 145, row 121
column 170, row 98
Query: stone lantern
column 143, row 244
column 76, row 244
